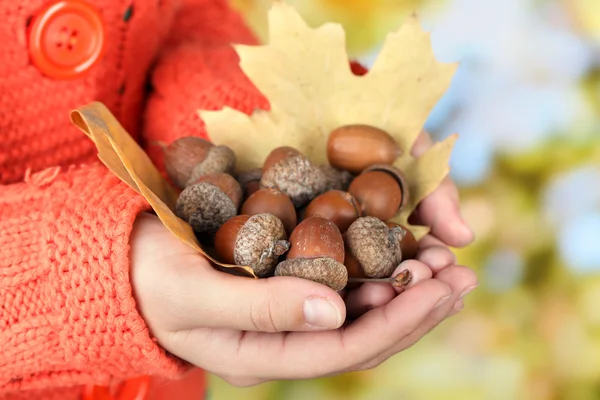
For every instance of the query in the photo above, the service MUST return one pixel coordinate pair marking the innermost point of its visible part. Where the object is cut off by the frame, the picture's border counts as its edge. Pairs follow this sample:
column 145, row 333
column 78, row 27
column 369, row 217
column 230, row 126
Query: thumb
column 220, row 300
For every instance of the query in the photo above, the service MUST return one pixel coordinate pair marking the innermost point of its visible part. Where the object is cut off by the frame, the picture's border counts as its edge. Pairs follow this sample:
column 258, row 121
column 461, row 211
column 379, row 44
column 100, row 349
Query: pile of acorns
column 326, row 223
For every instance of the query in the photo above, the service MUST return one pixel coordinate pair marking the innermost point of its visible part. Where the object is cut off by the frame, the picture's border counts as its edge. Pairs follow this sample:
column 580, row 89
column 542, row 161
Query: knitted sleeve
column 199, row 69
column 67, row 313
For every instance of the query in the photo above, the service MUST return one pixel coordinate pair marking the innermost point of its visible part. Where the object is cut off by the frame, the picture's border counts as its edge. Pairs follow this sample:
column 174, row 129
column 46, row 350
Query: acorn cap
column 408, row 243
column 205, row 207
column 375, row 246
column 226, row 183
column 336, row 179
column 182, row 155
column 297, row 177
column 218, row 159
column 260, row 242
column 398, row 175
column 249, row 176
column 322, row 270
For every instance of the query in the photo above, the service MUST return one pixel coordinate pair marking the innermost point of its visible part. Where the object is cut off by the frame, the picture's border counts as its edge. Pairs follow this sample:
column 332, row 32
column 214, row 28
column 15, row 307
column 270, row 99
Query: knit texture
column 67, row 314
column 68, row 317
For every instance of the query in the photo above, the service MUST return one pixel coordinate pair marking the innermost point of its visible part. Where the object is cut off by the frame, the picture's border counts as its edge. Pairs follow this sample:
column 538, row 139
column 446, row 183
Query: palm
column 249, row 331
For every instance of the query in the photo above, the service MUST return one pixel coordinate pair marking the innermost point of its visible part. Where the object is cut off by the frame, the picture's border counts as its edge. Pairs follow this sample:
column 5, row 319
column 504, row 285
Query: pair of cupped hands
column 250, row 331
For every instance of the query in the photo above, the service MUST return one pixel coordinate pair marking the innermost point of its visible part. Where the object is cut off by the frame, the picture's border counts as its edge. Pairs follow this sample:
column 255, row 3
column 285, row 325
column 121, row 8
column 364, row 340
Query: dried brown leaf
column 124, row 157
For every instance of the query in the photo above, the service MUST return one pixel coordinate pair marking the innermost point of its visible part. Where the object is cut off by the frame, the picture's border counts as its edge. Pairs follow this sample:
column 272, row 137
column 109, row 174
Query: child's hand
column 238, row 328
column 440, row 211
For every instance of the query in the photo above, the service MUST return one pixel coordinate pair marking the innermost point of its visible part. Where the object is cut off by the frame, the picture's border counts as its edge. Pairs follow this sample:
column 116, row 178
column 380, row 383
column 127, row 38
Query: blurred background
column 526, row 104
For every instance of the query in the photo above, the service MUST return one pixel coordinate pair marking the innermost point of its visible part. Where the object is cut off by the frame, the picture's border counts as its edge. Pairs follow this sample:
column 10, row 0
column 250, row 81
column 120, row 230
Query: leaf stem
column 158, row 143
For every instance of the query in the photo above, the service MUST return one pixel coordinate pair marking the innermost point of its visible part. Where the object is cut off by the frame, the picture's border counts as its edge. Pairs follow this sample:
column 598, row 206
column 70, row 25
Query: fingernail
column 459, row 305
column 465, row 227
column 322, row 313
column 467, row 291
column 442, row 301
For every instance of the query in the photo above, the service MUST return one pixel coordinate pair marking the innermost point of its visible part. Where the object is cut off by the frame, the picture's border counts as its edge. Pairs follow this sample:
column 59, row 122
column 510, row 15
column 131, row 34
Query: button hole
column 128, row 14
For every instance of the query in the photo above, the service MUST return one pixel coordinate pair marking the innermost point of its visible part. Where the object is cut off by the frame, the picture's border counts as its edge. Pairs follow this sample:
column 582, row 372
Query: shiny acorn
column 316, row 253
column 355, row 147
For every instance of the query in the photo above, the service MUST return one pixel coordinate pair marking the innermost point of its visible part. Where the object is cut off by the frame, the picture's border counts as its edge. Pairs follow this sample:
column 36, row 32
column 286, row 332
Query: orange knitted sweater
column 67, row 314
column 68, row 318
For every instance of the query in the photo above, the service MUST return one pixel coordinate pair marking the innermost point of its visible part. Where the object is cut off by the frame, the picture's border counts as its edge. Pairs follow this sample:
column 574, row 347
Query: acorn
column 355, row 270
column 357, row 276
column 335, row 178
column 337, row 206
column 375, row 246
column 250, row 181
column 381, row 191
column 272, row 201
column 218, row 159
column 408, row 244
column 209, row 201
column 316, row 253
column 355, row 147
column 190, row 157
column 287, row 170
column 278, row 154
column 256, row 241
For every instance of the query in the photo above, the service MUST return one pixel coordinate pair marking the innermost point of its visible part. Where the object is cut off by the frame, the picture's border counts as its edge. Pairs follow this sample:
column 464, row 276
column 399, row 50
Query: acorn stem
column 397, row 233
column 159, row 143
column 399, row 281
column 281, row 247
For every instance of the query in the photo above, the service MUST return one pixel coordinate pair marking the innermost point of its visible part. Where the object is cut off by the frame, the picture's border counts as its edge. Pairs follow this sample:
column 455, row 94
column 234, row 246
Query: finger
column 303, row 355
column 418, row 271
column 435, row 254
column 422, row 144
column 373, row 294
column 367, row 297
column 430, row 241
column 212, row 299
column 461, row 280
column 458, row 307
column 440, row 210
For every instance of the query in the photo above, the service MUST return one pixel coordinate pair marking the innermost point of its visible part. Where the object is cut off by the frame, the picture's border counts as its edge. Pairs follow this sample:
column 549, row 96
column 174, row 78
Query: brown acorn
column 381, row 191
column 289, row 171
column 408, row 244
column 354, row 147
column 218, row 159
column 278, row 154
column 255, row 241
column 274, row 202
column 354, row 268
column 336, row 179
column 250, row 181
column 209, row 201
column 190, row 157
column 316, row 253
column 337, row 206
column 375, row 246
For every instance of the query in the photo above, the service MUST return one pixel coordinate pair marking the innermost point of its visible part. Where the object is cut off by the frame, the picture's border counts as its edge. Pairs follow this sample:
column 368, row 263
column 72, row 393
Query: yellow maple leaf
column 305, row 75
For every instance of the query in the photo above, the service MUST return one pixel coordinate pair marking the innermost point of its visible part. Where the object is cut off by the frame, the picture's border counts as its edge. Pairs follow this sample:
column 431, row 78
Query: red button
column 133, row 389
column 66, row 39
